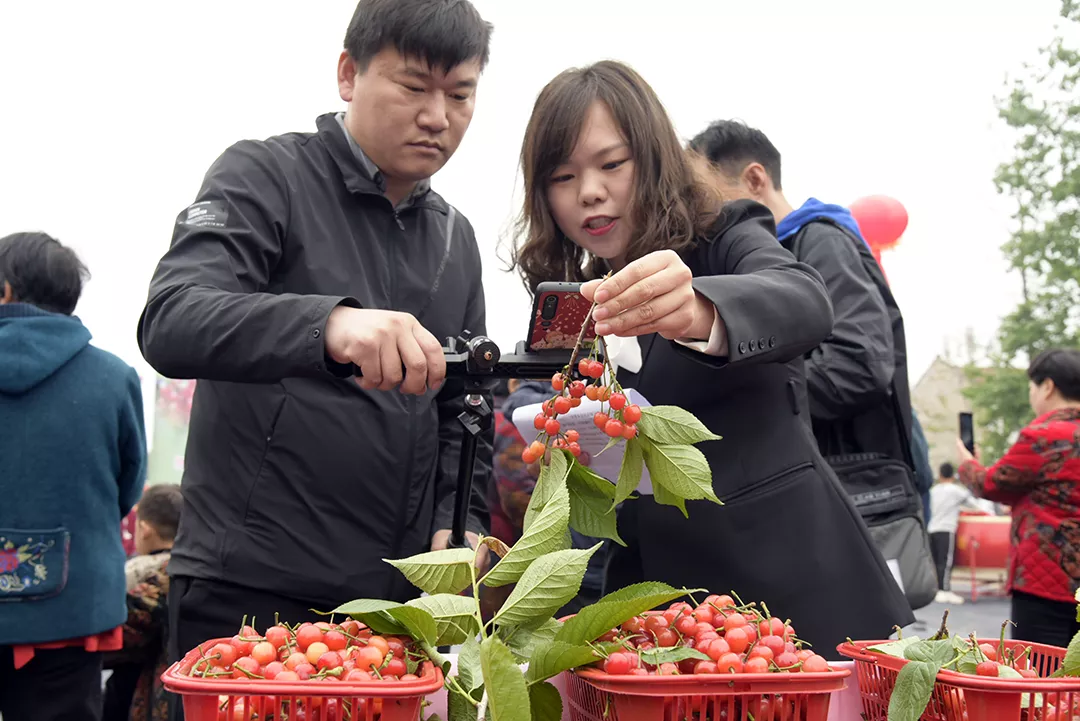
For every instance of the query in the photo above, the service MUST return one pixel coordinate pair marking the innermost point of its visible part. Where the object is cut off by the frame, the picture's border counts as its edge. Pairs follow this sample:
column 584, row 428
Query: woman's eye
column 614, row 164
column 561, row 178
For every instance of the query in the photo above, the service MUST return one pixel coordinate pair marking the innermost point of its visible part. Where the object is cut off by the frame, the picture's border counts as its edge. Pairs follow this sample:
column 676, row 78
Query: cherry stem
column 585, row 327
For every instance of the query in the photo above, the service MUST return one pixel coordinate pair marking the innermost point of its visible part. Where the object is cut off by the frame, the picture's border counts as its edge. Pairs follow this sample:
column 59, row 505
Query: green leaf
column 455, row 617
column 545, row 535
column 937, row 653
column 468, row 666
column 388, row 617
column 895, row 648
column 673, row 654
column 552, row 658
column 459, row 708
column 968, row 664
column 544, row 588
column 664, row 497
column 596, row 619
column 522, row 641
column 591, row 510
column 914, row 685
column 671, row 425
column 610, row 444
column 545, row 703
column 508, row 698
column 682, row 470
column 1071, row 664
column 630, row 471
column 438, row 571
column 552, row 476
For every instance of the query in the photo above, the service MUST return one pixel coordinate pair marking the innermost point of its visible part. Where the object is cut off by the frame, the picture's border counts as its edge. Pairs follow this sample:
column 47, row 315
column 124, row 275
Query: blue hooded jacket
column 72, row 464
column 813, row 209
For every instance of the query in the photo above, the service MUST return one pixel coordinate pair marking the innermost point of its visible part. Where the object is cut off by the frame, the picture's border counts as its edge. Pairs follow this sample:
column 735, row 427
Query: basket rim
column 176, row 682
column 857, row 650
column 809, row 683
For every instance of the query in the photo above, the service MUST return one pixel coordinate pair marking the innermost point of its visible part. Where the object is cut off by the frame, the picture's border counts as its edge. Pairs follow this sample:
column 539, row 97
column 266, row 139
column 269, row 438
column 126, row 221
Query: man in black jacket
column 857, row 381
column 303, row 255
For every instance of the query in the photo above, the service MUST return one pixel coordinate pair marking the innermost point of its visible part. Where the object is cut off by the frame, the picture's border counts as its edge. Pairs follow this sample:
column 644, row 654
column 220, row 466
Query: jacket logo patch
column 33, row 564
column 205, row 214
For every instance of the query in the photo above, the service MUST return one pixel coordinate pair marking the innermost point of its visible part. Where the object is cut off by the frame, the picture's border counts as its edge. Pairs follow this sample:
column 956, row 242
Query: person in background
column 134, row 688
column 511, row 490
column 947, row 499
column 857, row 378
column 1039, row 477
column 72, row 464
column 714, row 316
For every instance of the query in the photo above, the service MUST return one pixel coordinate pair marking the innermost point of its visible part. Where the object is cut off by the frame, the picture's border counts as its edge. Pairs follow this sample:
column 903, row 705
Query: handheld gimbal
column 480, row 363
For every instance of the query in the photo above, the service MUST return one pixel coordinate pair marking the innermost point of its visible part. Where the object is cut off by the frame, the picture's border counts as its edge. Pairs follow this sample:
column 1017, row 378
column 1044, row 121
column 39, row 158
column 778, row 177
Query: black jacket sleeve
column 451, row 404
column 853, row 368
column 774, row 308
column 209, row 314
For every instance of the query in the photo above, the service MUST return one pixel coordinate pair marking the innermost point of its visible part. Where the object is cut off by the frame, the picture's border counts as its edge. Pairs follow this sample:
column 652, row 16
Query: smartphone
column 967, row 432
column 559, row 311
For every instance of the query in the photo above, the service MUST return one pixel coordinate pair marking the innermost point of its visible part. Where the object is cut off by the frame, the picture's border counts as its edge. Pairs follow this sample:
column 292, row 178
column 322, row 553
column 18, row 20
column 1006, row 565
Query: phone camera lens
column 547, row 311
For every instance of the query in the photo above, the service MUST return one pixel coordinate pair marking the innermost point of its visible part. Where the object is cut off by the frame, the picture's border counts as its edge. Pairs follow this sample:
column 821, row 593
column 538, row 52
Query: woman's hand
column 651, row 295
column 964, row 453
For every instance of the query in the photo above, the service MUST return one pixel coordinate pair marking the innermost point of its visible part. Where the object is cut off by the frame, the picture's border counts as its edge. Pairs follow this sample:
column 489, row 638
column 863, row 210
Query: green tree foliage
column 1043, row 181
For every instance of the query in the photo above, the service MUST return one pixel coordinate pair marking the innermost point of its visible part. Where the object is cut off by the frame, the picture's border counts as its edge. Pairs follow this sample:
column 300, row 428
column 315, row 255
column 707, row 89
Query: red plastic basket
column 963, row 697
column 263, row 700
column 592, row 695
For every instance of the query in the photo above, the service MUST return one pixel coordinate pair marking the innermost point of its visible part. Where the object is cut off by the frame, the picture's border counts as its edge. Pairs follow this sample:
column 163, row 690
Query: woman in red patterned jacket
column 1040, row 478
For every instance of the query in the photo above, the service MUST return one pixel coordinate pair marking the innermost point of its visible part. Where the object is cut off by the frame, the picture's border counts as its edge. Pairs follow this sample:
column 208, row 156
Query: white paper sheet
column 592, row 439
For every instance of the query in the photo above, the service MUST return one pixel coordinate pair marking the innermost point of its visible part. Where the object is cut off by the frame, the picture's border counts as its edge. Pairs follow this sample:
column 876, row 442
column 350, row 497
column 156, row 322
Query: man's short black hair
column 1061, row 365
column 947, row 470
column 160, row 508
column 441, row 33
column 732, row 145
column 42, row 271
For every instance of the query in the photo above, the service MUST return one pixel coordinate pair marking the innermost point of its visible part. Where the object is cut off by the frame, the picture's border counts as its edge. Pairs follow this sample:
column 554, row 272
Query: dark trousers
column 1040, row 620
column 942, row 547
column 60, row 685
column 201, row 610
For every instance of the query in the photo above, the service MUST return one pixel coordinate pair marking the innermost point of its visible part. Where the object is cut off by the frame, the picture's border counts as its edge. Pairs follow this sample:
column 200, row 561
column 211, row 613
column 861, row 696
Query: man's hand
column 441, row 540
column 653, row 294
column 383, row 343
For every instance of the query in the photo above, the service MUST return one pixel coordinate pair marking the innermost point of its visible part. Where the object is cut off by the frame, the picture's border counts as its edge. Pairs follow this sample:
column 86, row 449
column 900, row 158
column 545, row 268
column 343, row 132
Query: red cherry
column 552, row 426
column 614, row 428
column 617, row 401
column 632, row 414
column 577, row 389
column 562, row 405
column 629, row 431
column 600, row 420
column 558, row 382
column 539, row 421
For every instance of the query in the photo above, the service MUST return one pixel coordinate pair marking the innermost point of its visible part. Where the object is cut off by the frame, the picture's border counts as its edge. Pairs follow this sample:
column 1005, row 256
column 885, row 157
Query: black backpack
column 884, row 489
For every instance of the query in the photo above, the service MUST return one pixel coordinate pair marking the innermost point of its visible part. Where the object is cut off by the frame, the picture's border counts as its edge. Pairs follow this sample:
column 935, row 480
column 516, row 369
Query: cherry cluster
column 618, row 421
column 729, row 638
column 347, row 652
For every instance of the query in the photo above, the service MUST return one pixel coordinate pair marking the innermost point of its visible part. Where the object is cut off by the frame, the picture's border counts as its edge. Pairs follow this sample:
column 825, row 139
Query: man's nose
column 433, row 116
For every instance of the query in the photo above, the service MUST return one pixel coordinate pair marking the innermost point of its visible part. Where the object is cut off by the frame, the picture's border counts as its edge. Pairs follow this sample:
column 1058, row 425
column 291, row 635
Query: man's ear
column 756, row 179
column 346, row 76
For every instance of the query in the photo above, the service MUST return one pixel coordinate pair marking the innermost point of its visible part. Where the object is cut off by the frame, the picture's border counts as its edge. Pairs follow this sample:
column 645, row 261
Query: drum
column 992, row 536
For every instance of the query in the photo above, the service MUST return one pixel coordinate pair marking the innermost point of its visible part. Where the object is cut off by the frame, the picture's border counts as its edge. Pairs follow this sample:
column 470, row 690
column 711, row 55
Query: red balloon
column 881, row 219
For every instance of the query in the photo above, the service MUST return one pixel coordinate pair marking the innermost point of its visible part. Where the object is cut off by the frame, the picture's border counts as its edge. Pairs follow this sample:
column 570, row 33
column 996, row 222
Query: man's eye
column 414, row 89
column 460, row 98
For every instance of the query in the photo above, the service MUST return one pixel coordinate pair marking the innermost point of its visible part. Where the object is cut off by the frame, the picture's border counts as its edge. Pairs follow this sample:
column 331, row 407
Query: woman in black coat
column 711, row 314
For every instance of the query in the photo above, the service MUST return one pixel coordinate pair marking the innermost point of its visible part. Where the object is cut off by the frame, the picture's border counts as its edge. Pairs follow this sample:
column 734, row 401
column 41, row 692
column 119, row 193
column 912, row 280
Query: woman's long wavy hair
column 673, row 201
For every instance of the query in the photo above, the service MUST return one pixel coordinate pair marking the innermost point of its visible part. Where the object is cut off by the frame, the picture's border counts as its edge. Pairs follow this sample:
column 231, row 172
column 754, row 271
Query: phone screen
column 967, row 432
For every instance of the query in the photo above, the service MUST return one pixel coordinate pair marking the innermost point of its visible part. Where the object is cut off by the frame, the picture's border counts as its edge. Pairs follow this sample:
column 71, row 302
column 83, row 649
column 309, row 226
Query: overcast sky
column 111, row 111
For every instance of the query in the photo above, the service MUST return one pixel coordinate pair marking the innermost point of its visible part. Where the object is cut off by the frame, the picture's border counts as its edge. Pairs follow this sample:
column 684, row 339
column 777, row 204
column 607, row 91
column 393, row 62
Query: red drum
column 990, row 537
